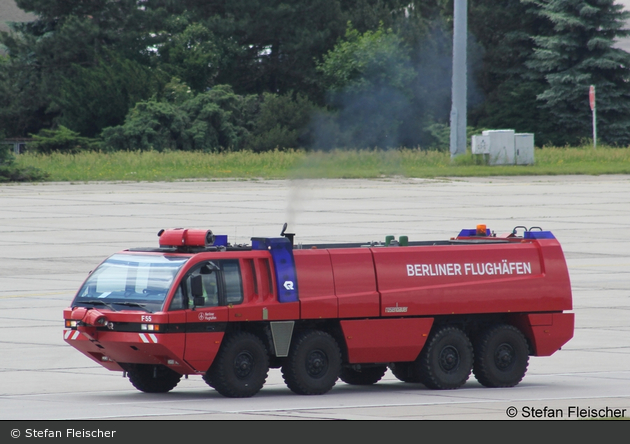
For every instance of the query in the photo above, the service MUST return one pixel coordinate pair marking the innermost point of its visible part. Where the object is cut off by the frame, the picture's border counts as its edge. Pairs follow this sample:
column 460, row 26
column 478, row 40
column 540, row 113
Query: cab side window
column 209, row 274
column 221, row 285
column 233, row 282
column 209, row 284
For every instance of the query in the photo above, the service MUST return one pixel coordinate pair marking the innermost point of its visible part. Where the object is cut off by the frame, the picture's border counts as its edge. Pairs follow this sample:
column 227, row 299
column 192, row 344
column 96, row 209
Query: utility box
column 504, row 147
column 480, row 144
column 524, row 148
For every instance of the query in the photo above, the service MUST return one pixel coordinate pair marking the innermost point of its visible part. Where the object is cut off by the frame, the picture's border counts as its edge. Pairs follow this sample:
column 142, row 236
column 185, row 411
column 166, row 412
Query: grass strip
column 291, row 164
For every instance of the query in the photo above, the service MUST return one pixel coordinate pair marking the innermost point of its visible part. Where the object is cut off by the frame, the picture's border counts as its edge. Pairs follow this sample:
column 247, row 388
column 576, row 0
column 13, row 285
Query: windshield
column 140, row 282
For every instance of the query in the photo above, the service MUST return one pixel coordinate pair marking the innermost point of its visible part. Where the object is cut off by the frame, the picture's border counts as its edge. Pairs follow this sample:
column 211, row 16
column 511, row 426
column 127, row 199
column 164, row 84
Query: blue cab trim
column 281, row 251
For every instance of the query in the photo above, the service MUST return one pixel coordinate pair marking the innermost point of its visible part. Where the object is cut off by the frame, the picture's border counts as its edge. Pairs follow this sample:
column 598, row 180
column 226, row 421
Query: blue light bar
column 471, row 232
column 220, row 240
column 538, row 235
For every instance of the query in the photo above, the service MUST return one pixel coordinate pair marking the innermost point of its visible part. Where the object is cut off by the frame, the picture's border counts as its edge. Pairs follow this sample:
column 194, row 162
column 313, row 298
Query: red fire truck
column 432, row 312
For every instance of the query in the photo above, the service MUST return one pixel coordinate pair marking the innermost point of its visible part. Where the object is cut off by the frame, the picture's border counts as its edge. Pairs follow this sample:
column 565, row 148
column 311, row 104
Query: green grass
column 167, row 166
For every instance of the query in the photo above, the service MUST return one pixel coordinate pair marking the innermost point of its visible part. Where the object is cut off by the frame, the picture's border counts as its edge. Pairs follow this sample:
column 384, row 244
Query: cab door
column 203, row 297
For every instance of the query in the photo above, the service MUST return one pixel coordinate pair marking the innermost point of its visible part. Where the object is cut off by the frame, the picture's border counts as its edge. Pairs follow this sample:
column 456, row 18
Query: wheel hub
column 243, row 364
column 316, row 363
column 504, row 356
column 449, row 358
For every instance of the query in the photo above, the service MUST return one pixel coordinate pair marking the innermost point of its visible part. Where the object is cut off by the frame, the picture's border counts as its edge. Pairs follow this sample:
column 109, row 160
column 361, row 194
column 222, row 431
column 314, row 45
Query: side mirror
column 196, row 287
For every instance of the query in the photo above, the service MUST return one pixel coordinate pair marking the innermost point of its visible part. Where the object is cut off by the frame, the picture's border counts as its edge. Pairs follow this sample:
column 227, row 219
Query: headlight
column 150, row 327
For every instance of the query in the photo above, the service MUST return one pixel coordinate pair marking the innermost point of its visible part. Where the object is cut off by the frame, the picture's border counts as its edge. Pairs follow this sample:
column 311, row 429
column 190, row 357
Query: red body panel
column 385, row 340
column 434, row 280
column 131, row 347
column 355, row 283
column 201, row 349
column 315, row 284
column 547, row 333
column 202, row 346
column 462, row 279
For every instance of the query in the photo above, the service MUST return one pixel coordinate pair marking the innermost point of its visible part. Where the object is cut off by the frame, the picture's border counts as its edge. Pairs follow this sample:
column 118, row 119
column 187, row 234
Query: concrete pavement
column 53, row 234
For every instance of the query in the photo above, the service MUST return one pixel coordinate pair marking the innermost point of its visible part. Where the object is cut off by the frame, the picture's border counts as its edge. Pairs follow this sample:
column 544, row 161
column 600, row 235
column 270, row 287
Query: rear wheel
column 153, row 378
column 446, row 360
column 363, row 376
column 241, row 366
column 313, row 364
column 501, row 357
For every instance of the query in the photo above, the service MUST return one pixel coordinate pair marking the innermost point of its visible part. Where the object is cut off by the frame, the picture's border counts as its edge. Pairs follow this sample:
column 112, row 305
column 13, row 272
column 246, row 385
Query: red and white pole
column 591, row 100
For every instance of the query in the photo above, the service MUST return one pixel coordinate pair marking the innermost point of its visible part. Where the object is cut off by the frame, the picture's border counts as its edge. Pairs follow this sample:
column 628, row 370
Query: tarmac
column 53, row 234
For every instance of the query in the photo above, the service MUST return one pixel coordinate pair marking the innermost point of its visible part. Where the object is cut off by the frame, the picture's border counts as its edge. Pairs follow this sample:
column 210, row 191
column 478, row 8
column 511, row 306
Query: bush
column 219, row 119
column 282, row 122
column 212, row 121
column 150, row 125
column 9, row 172
column 62, row 140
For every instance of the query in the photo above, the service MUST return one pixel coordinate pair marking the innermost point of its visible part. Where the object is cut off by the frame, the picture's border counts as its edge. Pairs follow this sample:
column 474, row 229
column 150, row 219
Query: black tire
column 501, row 357
column 446, row 360
column 364, row 376
column 405, row 371
column 313, row 364
column 207, row 377
column 153, row 378
column 241, row 367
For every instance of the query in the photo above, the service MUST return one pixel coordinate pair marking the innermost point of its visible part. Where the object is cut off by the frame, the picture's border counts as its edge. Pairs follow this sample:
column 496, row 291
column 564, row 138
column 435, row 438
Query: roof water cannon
column 184, row 237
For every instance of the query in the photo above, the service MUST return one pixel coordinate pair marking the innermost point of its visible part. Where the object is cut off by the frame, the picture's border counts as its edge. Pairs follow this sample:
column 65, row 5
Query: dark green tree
column 99, row 96
column 273, row 45
column 84, row 64
column 420, row 110
column 43, row 57
column 503, row 30
column 282, row 121
column 24, row 97
column 369, row 78
column 192, row 55
column 253, row 45
column 578, row 54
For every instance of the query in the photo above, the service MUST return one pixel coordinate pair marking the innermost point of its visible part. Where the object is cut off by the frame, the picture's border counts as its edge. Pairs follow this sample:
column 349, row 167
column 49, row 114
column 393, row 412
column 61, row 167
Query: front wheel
column 241, row 366
column 153, row 378
column 313, row 364
column 501, row 357
column 446, row 360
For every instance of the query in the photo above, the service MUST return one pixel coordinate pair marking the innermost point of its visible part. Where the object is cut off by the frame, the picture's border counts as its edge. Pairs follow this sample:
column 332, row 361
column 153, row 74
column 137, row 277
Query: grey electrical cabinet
column 524, row 148
column 504, row 147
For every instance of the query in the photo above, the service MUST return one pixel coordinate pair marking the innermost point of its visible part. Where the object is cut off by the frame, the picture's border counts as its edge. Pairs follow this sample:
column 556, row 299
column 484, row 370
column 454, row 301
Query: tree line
column 215, row 75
